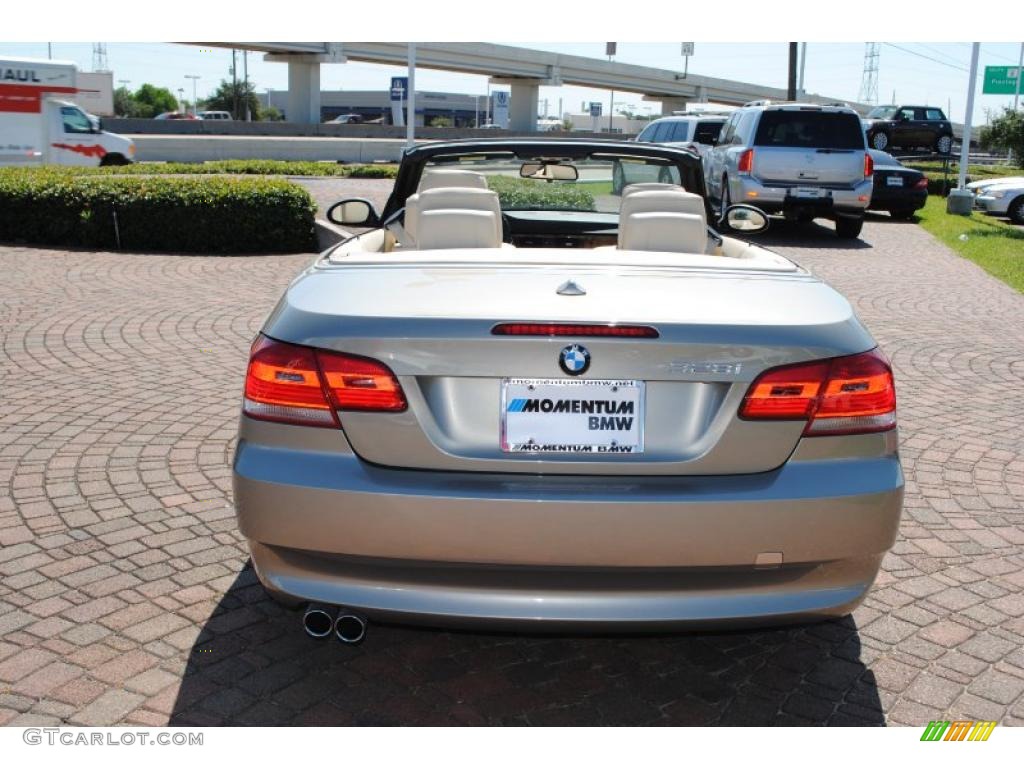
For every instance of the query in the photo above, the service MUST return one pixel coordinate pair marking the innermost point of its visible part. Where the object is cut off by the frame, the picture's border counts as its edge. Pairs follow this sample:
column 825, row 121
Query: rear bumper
column 781, row 199
column 451, row 548
column 909, row 200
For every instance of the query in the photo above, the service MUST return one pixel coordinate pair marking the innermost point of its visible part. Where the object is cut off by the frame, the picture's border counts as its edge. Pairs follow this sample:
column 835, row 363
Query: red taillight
column 574, row 329
column 921, row 183
column 360, row 384
column 840, row 396
column 869, row 165
column 746, row 162
column 299, row 385
column 283, row 384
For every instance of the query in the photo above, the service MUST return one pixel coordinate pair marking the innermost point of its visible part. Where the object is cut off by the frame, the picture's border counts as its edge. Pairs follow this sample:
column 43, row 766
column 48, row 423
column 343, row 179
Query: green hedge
column 246, row 167
column 198, row 215
column 516, row 193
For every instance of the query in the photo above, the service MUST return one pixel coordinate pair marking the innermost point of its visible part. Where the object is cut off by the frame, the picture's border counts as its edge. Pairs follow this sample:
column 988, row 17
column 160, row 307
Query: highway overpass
column 524, row 69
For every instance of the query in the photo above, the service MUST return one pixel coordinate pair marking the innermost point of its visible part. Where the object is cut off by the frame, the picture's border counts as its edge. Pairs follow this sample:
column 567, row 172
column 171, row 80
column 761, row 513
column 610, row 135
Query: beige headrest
column 458, row 228
column 674, row 200
column 437, row 179
column 662, row 231
column 650, row 186
column 466, row 198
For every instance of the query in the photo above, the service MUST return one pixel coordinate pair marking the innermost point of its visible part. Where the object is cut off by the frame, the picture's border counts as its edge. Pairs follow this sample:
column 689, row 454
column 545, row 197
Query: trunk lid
column 429, row 317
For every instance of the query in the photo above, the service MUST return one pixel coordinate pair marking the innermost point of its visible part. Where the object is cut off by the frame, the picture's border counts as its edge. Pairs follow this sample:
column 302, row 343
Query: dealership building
column 459, row 109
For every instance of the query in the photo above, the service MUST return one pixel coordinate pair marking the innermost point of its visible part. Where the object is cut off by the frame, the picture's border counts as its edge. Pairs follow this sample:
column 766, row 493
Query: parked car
column 801, row 161
column 976, row 186
column 696, row 132
column 520, row 402
column 897, row 189
column 1006, row 199
column 909, row 127
column 175, row 116
column 346, row 119
column 215, row 114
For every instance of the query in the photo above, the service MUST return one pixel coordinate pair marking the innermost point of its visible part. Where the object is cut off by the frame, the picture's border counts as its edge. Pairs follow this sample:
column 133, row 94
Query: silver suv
column 803, row 161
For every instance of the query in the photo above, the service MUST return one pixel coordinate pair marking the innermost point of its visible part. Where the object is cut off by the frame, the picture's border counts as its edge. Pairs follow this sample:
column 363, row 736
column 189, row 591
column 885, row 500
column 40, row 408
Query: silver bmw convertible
column 521, row 400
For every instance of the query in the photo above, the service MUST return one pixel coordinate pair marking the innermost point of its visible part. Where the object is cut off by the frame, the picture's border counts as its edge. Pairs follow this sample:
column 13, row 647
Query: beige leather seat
column 454, row 217
column 466, row 198
column 639, row 198
column 451, row 177
column 662, row 231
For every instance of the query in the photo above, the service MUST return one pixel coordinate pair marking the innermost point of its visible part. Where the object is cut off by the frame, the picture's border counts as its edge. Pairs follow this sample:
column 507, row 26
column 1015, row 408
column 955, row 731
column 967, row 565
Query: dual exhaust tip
column 321, row 621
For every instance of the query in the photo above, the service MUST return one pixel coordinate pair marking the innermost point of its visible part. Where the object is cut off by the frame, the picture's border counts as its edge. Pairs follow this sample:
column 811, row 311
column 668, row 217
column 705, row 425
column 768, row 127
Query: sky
column 920, row 73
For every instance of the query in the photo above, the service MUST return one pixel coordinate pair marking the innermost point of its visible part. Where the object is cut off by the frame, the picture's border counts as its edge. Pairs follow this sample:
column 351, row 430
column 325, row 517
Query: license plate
column 894, row 181
column 572, row 416
column 811, row 192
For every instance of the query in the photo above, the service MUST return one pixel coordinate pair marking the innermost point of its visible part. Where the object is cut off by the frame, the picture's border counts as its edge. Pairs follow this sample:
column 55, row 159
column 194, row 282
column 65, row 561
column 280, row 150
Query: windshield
column 598, row 187
column 882, row 113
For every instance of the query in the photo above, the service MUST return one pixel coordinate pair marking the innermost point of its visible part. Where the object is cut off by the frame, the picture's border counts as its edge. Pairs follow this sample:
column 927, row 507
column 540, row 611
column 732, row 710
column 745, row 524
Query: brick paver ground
column 125, row 594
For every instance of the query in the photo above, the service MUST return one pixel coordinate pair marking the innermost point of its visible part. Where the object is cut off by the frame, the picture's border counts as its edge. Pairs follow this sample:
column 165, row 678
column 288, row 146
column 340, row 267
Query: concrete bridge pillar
column 670, row 105
column 522, row 108
column 304, row 81
column 303, row 91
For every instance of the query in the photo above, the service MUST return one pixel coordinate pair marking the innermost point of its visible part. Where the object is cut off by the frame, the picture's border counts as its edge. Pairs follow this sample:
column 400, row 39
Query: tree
column 232, row 97
column 271, row 114
column 150, row 101
column 124, row 104
column 1005, row 132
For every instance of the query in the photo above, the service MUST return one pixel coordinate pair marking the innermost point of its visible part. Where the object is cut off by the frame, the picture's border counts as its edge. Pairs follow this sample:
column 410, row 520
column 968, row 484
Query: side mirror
column 355, row 212
column 744, row 218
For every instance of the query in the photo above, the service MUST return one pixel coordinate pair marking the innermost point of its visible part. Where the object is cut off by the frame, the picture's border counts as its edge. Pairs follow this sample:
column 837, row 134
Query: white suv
column 697, row 132
column 802, row 161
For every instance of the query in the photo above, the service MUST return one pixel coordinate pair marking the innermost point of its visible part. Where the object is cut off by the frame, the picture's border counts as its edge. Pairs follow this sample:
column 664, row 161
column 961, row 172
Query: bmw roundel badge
column 574, row 359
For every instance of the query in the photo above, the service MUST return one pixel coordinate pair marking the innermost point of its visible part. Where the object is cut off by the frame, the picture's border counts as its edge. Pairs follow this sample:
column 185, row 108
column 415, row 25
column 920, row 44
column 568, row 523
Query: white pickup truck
column 40, row 124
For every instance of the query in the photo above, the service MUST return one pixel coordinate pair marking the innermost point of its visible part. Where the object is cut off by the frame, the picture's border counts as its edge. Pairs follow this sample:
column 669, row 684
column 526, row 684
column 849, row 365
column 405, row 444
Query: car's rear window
column 707, row 132
column 810, row 130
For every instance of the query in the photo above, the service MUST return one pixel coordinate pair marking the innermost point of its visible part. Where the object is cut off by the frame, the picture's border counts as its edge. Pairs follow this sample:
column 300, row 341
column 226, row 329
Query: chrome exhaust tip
column 350, row 628
column 318, row 620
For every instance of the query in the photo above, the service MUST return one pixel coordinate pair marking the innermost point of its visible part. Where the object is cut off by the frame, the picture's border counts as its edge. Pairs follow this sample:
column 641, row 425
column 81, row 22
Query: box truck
column 39, row 124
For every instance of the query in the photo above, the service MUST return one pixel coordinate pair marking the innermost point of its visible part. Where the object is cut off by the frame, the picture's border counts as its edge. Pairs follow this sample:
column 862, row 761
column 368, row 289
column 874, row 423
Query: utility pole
column 1020, row 76
column 960, row 200
column 245, row 75
column 49, row 50
column 791, row 86
column 234, row 83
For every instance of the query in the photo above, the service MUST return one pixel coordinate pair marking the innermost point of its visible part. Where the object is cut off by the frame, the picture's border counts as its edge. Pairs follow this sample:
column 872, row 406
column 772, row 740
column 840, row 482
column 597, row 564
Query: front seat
column 454, row 217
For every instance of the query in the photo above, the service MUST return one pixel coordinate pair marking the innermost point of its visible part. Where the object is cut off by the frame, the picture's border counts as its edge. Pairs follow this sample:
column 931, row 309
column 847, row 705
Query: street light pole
column 410, row 127
column 195, row 102
column 1020, row 76
column 965, row 147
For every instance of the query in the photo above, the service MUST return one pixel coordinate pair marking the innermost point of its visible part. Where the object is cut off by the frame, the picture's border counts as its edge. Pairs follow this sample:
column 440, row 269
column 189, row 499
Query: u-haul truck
column 39, row 124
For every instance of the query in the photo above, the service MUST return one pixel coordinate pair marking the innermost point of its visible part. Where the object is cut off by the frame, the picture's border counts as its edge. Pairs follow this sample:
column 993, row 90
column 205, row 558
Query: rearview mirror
column 744, row 218
column 549, row 172
column 355, row 212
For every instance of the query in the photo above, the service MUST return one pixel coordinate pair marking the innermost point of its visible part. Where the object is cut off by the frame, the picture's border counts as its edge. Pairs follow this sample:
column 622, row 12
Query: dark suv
column 890, row 127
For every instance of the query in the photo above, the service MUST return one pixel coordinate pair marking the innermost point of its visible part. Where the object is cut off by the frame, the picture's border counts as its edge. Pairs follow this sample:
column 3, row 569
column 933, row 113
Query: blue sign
column 595, row 109
column 399, row 88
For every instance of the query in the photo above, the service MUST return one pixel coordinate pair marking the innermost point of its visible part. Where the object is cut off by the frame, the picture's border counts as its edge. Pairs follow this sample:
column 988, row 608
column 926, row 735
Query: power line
column 925, row 56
